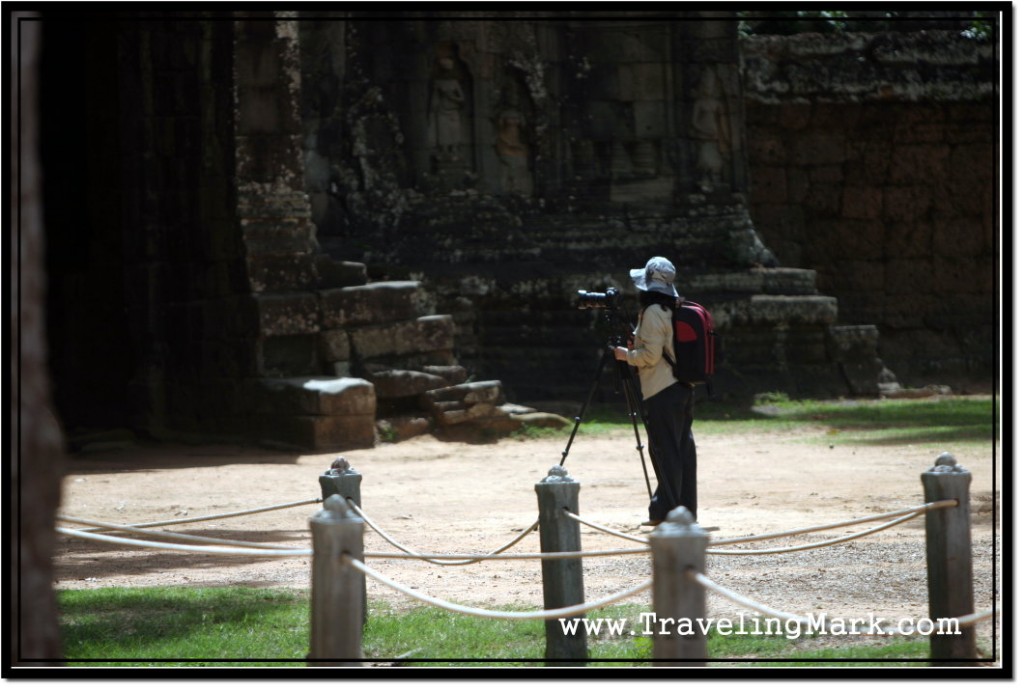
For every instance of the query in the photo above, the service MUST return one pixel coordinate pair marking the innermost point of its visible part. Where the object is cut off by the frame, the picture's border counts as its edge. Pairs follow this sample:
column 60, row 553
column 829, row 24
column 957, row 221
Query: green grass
column 940, row 420
column 964, row 420
column 252, row 627
column 187, row 624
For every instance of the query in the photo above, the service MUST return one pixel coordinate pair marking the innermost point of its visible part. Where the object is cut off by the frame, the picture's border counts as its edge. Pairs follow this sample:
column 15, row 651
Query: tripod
column 627, row 381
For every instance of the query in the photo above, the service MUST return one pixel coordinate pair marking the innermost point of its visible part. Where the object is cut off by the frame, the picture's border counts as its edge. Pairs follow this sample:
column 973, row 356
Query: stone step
column 374, row 303
column 319, row 413
column 767, row 310
column 333, row 273
column 781, row 281
column 403, row 338
column 399, row 383
column 473, row 402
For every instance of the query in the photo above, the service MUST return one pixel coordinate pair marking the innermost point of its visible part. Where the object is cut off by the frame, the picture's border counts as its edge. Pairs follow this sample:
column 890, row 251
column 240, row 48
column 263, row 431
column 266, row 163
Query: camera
column 609, row 299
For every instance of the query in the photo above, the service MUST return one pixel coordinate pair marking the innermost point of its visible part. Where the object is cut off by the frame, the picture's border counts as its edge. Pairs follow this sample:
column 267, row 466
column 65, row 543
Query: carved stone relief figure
column 710, row 129
column 514, row 154
column 447, row 101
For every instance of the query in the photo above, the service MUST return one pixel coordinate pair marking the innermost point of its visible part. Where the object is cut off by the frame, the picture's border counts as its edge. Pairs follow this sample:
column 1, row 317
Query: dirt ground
column 452, row 497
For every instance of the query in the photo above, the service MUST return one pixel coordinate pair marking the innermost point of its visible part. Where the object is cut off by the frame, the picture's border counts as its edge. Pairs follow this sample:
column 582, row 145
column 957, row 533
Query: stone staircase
column 787, row 335
column 388, row 372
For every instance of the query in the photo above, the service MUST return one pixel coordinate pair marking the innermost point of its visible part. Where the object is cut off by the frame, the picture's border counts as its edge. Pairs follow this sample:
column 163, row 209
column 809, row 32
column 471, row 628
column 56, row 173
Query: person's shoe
column 652, row 522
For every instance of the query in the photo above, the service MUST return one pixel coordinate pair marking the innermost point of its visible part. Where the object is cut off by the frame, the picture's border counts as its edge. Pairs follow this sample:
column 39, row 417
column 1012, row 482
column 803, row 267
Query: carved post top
column 341, row 466
column 558, row 474
column 679, row 523
column 336, row 509
column 946, row 462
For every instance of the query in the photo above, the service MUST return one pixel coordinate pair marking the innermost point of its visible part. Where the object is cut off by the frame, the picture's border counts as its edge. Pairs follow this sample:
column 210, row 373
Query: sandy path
column 452, row 497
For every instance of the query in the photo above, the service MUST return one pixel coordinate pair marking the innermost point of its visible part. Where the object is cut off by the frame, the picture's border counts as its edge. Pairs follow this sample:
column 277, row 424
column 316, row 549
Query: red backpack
column 695, row 344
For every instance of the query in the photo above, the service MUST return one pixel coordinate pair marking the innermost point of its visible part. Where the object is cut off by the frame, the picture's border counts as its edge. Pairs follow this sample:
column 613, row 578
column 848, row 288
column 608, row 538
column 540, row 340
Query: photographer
column 668, row 404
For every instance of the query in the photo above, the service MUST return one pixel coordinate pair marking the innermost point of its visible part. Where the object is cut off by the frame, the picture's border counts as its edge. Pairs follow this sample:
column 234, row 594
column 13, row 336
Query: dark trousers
column 673, row 451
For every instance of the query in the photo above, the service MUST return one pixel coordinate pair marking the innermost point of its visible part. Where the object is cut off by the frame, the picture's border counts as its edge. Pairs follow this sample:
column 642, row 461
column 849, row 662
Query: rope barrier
column 945, row 503
column 966, row 620
column 169, row 534
column 976, row 618
column 516, row 555
column 227, row 551
column 437, row 560
column 812, row 545
column 604, row 528
column 741, row 600
column 575, row 610
column 179, row 521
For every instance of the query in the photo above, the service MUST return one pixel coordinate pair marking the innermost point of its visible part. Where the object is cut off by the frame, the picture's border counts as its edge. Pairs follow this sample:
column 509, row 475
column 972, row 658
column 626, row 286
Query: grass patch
column 195, row 627
column 190, row 625
column 940, row 420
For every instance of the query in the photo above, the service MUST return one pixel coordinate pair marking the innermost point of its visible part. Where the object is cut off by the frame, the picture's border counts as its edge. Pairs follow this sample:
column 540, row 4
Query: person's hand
column 621, row 354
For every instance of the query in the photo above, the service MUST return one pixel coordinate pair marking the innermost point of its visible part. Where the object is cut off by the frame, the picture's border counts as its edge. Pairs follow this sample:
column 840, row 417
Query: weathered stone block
column 280, row 272
column 334, row 346
column 778, row 309
column 339, row 274
column 319, row 396
column 373, row 303
column 277, row 235
column 320, row 432
column 460, row 415
column 422, row 335
column 452, row 374
column 852, row 343
column 474, row 392
column 403, row 383
column 289, row 313
column 480, row 430
column 400, row 428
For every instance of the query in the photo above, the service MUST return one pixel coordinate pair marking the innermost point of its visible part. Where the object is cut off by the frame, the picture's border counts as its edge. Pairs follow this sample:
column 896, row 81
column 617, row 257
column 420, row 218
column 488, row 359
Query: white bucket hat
column 658, row 275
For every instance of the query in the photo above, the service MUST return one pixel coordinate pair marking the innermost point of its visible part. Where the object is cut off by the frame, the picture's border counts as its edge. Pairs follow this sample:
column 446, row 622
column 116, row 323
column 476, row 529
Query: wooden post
column 341, row 479
column 950, row 570
column 563, row 578
column 679, row 544
column 336, row 616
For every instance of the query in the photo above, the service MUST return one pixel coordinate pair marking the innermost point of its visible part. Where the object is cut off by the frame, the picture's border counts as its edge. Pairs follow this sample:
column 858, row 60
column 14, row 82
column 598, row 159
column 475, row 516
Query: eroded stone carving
column 710, row 128
column 447, row 101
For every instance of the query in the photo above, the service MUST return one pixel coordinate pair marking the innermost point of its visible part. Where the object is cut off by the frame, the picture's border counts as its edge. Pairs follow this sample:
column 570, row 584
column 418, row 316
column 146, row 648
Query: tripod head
column 613, row 323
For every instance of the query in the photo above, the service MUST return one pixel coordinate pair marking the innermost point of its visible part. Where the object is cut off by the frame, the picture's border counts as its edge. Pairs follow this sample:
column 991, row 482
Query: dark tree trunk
column 37, row 440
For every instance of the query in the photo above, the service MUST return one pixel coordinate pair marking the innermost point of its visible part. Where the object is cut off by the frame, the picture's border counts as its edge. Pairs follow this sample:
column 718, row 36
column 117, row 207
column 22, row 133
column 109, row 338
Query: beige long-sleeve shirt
column 652, row 339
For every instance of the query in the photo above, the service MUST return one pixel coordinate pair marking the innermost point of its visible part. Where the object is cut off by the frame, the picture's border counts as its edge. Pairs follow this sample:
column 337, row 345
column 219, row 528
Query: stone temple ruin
column 338, row 228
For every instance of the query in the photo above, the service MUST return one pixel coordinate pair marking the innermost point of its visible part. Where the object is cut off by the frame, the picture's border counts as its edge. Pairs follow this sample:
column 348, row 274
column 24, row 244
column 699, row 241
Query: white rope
column 977, row 617
column 574, row 610
column 707, row 583
column 811, row 545
column 515, row 555
column 233, row 514
column 745, row 601
column 437, row 560
column 605, row 529
column 230, row 551
column 170, row 534
column 942, row 504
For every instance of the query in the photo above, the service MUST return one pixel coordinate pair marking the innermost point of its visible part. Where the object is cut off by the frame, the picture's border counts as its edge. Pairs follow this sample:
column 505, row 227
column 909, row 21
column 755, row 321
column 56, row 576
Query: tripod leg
column 635, row 408
column 583, row 408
